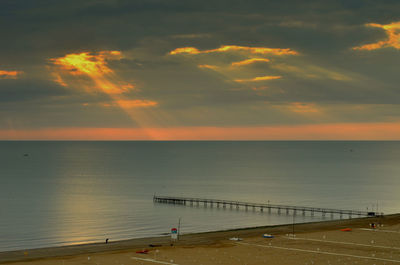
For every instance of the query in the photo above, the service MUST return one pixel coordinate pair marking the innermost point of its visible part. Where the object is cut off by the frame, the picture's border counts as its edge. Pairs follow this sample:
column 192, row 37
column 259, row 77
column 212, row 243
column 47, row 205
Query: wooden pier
column 263, row 206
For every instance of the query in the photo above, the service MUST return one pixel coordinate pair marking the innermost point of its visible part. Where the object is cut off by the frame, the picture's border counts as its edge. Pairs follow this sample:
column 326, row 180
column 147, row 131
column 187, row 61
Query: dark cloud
column 20, row 91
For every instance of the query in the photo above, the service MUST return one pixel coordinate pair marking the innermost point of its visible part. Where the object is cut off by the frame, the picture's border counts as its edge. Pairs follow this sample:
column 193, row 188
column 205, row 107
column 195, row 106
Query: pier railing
column 262, row 206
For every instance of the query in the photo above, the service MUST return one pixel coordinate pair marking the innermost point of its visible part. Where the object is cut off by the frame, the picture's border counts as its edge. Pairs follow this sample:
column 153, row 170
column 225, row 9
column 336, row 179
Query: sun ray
column 91, row 71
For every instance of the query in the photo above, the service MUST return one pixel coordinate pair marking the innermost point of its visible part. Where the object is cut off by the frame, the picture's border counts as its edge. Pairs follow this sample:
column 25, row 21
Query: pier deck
column 263, row 206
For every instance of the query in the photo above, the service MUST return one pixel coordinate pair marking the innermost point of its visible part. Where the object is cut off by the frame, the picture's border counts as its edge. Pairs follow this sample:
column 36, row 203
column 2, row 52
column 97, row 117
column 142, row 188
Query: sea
column 55, row 193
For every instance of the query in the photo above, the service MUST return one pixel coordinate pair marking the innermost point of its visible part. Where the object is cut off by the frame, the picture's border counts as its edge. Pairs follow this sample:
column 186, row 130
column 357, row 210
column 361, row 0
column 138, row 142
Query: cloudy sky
column 152, row 69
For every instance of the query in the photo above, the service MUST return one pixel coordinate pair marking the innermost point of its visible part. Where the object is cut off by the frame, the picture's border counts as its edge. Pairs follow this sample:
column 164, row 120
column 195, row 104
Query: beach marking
column 378, row 230
column 154, row 261
column 344, row 243
column 320, row 252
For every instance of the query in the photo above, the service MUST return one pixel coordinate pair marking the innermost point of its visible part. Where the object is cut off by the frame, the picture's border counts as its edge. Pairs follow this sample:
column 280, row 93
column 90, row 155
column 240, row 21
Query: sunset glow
column 229, row 48
column 129, row 65
column 259, row 78
column 9, row 74
column 73, row 69
column 226, row 71
column 84, row 63
column 339, row 131
column 392, row 31
column 207, row 66
column 136, row 103
column 250, row 61
column 93, row 66
column 301, row 107
column 111, row 108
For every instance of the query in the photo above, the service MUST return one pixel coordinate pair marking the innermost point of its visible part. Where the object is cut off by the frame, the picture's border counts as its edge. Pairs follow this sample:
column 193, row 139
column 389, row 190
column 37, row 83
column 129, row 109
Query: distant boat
column 26, row 154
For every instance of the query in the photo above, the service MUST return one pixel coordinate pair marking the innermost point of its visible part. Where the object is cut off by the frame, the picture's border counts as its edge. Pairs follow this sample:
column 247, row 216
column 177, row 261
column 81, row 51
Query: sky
column 199, row 70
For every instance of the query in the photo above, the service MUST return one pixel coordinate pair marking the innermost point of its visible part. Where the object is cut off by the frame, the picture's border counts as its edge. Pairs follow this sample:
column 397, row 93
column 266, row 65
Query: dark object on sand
column 154, row 246
column 144, row 251
column 106, row 240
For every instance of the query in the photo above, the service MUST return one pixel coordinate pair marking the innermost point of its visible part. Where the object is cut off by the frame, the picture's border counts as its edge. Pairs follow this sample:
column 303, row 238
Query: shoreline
column 194, row 239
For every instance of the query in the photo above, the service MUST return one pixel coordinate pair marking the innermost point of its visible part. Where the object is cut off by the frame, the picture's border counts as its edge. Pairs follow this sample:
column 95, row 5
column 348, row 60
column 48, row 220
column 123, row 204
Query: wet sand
column 313, row 243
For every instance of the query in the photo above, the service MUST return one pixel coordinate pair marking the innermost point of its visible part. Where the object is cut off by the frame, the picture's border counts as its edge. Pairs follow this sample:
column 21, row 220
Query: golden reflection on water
column 81, row 204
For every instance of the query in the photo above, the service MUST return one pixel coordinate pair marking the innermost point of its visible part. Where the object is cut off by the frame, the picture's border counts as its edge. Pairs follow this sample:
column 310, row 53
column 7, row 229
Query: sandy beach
column 313, row 243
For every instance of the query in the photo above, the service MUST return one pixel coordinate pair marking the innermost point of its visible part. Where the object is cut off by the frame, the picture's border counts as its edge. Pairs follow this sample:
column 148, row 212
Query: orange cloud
column 227, row 48
column 259, row 78
column 208, row 66
column 259, row 88
column 250, row 61
column 245, row 50
column 58, row 79
column 88, row 63
column 301, row 107
column 190, row 50
column 127, row 104
column 393, row 37
column 9, row 74
column 106, row 105
column 338, row 131
column 128, row 86
column 92, row 72
column 93, row 66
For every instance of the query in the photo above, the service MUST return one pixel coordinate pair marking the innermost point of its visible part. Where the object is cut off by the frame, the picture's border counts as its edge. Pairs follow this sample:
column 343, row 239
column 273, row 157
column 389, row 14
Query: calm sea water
column 74, row 192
